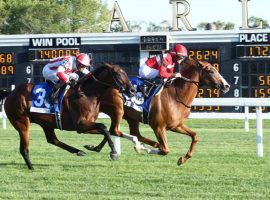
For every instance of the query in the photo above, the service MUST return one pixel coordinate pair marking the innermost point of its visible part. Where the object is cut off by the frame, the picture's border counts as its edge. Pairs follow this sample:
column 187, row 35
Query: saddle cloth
column 39, row 102
column 139, row 102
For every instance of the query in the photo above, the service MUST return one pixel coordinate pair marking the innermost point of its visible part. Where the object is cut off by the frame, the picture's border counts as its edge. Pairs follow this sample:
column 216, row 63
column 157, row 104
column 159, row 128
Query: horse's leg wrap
column 138, row 146
column 154, row 151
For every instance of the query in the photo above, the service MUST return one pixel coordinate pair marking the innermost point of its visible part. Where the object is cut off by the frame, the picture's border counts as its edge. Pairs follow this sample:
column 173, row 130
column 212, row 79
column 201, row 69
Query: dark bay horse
column 170, row 108
column 80, row 109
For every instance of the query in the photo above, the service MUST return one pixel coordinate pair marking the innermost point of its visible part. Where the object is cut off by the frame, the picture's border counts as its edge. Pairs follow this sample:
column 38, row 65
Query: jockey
column 61, row 71
column 163, row 65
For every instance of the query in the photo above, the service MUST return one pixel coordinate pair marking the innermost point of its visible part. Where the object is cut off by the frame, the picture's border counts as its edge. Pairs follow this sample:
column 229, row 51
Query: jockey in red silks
column 163, row 65
column 61, row 71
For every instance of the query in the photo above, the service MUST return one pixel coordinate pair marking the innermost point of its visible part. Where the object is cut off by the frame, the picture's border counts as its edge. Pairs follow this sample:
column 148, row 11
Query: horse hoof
column 81, row 153
column 181, row 161
column 90, row 147
column 114, row 156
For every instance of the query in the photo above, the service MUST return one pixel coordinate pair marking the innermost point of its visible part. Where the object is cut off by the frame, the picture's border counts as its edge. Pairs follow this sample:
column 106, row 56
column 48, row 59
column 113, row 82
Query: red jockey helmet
column 84, row 59
column 179, row 51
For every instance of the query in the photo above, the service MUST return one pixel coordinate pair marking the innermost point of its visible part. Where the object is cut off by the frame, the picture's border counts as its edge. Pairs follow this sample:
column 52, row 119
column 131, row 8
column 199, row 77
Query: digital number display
column 153, row 39
column 48, row 54
column 6, row 58
column 253, row 51
column 258, row 87
column 7, row 70
column 7, row 64
column 153, row 43
column 210, row 55
column 207, row 93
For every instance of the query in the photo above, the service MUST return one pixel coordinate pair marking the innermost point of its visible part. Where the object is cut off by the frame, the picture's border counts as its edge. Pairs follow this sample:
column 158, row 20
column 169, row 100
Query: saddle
column 149, row 86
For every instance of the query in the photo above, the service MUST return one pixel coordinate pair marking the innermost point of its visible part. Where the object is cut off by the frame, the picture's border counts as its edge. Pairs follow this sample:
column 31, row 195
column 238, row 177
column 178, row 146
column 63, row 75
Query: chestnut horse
column 80, row 109
column 170, row 108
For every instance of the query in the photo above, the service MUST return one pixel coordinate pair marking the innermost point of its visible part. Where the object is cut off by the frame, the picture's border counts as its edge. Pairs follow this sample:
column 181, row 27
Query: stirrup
column 143, row 90
column 54, row 96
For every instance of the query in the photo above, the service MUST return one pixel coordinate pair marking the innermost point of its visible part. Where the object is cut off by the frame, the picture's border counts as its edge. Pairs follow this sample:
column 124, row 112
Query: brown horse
column 80, row 109
column 169, row 109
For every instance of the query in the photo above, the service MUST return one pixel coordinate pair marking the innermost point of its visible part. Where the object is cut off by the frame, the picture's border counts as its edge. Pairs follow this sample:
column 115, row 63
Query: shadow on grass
column 2, row 165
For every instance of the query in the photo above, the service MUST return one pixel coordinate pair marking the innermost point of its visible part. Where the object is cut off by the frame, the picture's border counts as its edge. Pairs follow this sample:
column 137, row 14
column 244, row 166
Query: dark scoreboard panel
column 245, row 66
column 244, row 62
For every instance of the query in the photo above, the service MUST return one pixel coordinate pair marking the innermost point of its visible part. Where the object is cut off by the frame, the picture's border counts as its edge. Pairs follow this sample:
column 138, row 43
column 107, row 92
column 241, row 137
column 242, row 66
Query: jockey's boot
column 55, row 92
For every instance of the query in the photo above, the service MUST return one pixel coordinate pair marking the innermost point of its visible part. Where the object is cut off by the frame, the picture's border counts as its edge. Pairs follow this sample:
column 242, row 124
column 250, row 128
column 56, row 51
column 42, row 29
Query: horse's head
column 115, row 77
column 210, row 76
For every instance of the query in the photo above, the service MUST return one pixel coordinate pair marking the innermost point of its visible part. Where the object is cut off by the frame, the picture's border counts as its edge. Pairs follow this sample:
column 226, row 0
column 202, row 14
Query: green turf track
column 224, row 166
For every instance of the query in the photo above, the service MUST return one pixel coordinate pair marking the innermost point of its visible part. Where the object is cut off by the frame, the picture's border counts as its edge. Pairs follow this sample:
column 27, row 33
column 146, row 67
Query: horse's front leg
column 99, row 128
column 185, row 130
column 161, row 136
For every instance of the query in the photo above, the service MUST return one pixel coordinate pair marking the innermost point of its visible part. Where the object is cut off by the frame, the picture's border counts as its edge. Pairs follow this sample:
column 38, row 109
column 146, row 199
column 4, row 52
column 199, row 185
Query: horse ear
column 204, row 64
column 108, row 65
column 201, row 63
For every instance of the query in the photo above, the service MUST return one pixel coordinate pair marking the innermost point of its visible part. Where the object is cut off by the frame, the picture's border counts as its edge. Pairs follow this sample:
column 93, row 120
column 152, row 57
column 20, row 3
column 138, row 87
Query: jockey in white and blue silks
column 61, row 71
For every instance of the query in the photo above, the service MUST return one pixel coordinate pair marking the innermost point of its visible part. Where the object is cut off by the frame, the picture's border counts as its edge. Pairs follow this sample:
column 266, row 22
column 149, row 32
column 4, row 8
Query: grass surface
column 224, row 166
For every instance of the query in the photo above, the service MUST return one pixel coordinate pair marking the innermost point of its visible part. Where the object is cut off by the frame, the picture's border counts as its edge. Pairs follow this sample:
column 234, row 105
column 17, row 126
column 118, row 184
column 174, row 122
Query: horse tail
column 3, row 95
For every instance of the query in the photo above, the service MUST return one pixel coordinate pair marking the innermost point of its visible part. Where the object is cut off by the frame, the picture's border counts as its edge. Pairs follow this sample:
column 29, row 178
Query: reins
column 176, row 91
column 190, row 81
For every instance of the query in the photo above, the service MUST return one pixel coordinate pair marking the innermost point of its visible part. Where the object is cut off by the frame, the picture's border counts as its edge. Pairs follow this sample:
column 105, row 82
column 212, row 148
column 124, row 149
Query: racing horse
column 170, row 108
column 80, row 109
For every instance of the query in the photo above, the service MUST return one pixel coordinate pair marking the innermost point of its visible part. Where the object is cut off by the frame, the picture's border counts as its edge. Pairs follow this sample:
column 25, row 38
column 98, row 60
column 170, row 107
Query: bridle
column 197, row 83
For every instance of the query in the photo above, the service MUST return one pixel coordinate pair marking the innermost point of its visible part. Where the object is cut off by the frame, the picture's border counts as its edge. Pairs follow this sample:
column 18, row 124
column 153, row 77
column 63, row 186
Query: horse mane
column 96, row 72
column 102, row 67
column 188, row 66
